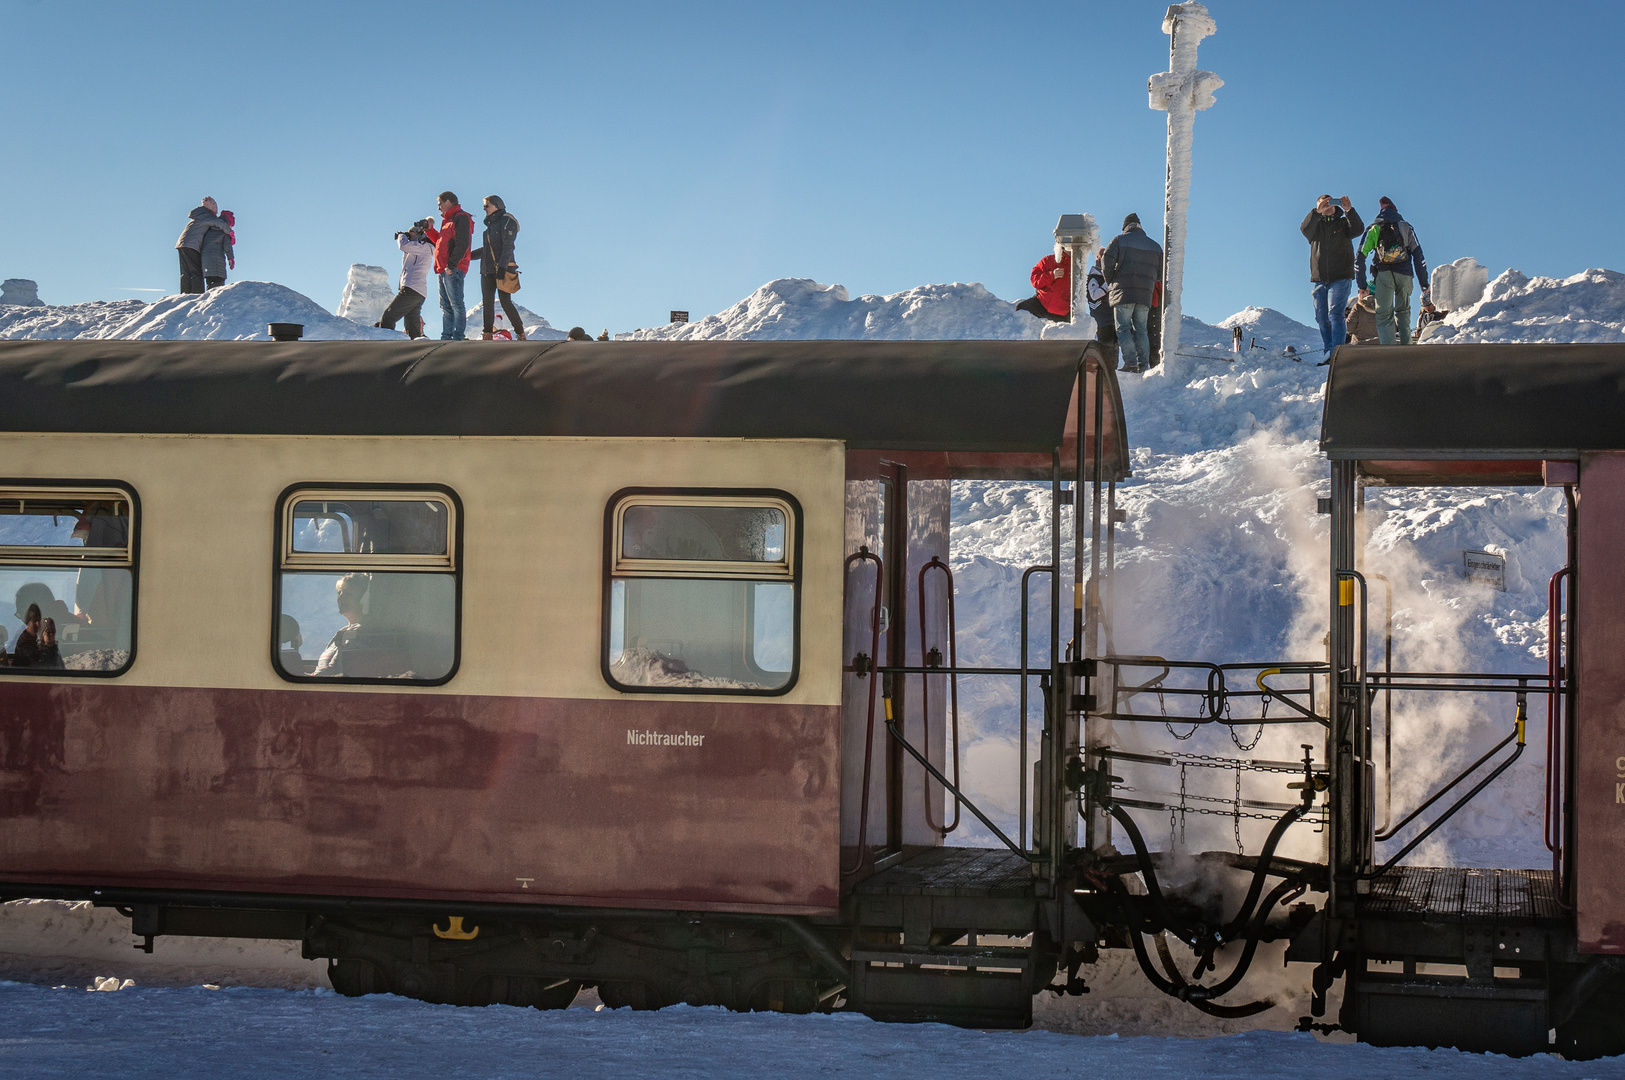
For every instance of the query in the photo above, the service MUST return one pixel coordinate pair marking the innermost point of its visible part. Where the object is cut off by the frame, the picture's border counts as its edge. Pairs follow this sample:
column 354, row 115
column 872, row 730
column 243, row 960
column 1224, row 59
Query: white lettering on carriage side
column 1619, row 766
column 661, row 738
column 1619, row 793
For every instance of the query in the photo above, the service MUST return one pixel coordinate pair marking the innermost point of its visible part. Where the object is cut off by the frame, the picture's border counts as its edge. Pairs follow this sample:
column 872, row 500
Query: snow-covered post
column 1079, row 234
column 1180, row 92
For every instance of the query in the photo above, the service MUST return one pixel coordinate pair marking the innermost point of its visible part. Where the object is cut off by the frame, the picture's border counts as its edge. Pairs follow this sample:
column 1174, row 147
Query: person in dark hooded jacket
column 1330, row 229
column 496, row 259
column 1132, row 267
column 219, row 251
column 204, row 217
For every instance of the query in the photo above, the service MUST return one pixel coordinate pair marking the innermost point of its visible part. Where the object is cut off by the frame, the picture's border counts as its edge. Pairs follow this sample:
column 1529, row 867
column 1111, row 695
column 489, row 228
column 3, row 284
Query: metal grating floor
column 955, row 871
column 1455, row 894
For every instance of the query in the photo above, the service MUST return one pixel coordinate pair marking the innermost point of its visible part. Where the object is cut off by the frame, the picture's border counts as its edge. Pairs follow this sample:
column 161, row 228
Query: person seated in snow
column 1052, row 277
column 1396, row 264
column 496, row 261
column 1428, row 317
column 189, row 247
column 1361, row 319
column 219, row 251
column 577, row 334
column 1133, row 269
column 417, row 259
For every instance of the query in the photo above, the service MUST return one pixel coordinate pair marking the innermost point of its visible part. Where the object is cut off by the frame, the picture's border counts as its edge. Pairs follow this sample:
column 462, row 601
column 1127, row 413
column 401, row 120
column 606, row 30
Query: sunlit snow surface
column 136, row 1033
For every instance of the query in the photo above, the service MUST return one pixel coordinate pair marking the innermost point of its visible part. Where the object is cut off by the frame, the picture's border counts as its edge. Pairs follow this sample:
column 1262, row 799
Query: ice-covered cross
column 1180, row 91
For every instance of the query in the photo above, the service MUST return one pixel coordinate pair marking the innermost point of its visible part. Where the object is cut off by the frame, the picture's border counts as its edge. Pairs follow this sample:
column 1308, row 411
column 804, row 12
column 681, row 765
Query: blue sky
column 667, row 156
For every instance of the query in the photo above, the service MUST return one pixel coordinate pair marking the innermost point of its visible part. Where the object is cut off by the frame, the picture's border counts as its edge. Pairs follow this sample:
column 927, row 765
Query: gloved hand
column 1058, row 273
column 231, row 264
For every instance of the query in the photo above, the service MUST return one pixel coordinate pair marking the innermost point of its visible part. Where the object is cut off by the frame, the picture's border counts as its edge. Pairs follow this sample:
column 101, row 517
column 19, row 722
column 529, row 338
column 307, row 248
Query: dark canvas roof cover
column 978, row 397
column 1473, row 402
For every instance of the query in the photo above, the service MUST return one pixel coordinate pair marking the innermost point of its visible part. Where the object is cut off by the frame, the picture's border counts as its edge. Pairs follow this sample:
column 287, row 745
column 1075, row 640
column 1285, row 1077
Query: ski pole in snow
column 1180, row 92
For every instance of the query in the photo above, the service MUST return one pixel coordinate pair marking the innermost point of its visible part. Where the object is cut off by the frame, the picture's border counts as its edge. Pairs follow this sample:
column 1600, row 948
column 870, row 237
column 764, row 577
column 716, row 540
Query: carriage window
column 702, row 594
column 367, row 586
column 67, row 584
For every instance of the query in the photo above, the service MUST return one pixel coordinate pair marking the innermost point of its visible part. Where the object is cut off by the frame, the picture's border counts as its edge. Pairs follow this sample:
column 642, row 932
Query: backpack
column 1393, row 246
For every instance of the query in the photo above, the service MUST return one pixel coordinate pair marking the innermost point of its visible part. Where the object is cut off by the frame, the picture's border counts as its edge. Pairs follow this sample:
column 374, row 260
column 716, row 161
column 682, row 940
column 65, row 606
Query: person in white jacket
column 417, row 259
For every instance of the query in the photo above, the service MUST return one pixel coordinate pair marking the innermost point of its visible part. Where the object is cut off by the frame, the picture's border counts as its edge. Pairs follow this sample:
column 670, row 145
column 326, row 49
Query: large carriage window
column 702, row 593
column 367, row 586
column 67, row 584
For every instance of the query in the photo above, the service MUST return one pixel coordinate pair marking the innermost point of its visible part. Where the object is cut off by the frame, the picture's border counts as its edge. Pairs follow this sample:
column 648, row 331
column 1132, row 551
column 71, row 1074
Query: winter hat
column 1386, row 201
column 230, row 218
column 1132, row 219
column 496, row 201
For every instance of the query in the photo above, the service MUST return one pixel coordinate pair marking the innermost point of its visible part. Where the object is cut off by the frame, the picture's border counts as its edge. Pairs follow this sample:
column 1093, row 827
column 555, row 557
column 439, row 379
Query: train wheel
column 353, row 978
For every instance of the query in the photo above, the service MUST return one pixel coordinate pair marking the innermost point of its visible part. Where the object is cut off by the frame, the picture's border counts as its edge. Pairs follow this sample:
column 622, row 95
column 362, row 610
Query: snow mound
column 20, row 291
column 1590, row 306
column 366, row 294
column 801, row 309
column 1459, row 284
column 235, row 312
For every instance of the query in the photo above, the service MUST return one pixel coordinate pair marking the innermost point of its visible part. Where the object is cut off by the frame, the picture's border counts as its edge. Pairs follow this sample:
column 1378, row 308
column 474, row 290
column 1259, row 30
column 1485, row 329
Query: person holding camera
column 496, row 265
column 417, row 257
column 1330, row 229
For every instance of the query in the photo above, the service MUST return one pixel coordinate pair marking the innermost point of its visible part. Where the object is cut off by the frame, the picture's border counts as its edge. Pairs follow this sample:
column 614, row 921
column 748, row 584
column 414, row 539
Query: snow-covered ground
column 164, row 1033
column 239, row 311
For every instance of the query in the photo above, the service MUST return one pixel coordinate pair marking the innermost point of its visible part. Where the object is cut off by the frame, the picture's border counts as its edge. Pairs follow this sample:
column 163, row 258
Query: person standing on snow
column 1100, row 307
column 417, row 255
column 496, row 260
column 204, row 217
column 1396, row 255
column 452, row 243
column 1132, row 267
column 1330, row 229
column 219, row 251
column 1052, row 277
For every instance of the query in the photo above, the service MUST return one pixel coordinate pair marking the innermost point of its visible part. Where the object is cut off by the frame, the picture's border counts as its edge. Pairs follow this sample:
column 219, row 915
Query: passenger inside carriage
column 352, row 592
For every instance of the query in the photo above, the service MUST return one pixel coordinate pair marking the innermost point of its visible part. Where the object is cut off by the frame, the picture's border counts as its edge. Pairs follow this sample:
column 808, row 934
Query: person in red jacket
column 452, row 244
column 1052, row 277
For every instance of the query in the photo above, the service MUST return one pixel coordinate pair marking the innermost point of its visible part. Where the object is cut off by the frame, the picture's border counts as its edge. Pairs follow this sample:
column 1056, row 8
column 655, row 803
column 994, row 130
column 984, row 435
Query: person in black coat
column 496, row 259
column 1330, row 229
column 1132, row 267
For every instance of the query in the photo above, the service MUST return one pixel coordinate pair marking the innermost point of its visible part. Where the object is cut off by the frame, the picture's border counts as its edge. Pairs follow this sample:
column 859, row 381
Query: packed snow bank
column 235, row 312
column 56, row 941
column 1590, row 306
column 800, row 308
column 139, row 1032
column 367, row 293
column 20, row 291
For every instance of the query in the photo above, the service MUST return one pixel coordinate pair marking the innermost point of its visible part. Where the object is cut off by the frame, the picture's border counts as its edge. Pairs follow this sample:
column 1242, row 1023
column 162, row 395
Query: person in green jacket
column 1396, row 263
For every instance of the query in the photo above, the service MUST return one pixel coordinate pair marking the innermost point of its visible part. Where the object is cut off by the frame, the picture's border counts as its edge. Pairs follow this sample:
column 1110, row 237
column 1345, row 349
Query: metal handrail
column 872, row 674
column 953, row 689
column 1021, row 780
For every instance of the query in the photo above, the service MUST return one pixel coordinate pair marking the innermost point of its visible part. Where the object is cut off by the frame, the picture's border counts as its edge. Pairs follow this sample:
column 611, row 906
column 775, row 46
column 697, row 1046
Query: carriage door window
column 367, row 586
column 701, row 593
column 67, row 584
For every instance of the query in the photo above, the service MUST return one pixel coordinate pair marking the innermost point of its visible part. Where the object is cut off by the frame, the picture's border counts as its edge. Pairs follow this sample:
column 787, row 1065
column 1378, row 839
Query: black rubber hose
column 1265, row 857
column 1149, row 872
column 1175, row 989
column 1254, row 932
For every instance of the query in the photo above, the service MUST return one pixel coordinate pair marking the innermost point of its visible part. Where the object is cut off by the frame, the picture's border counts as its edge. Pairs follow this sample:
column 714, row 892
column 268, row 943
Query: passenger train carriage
column 493, row 671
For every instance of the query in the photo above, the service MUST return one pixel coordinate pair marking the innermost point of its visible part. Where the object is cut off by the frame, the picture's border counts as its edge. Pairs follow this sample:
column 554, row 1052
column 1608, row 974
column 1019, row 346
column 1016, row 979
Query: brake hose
column 1181, row 989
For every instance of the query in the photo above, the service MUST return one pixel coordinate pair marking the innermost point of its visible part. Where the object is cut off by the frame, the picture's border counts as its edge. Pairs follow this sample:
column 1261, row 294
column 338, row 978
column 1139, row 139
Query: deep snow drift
column 235, row 312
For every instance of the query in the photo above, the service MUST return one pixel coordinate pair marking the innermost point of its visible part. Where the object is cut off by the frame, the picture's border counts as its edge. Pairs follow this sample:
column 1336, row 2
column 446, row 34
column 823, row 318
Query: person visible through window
column 288, row 642
column 49, row 654
column 27, row 652
column 352, row 591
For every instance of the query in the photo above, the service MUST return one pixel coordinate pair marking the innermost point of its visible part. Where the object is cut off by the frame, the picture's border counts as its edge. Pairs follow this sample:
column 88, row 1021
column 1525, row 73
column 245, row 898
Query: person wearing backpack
column 1330, row 229
column 1396, row 263
column 1100, row 307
